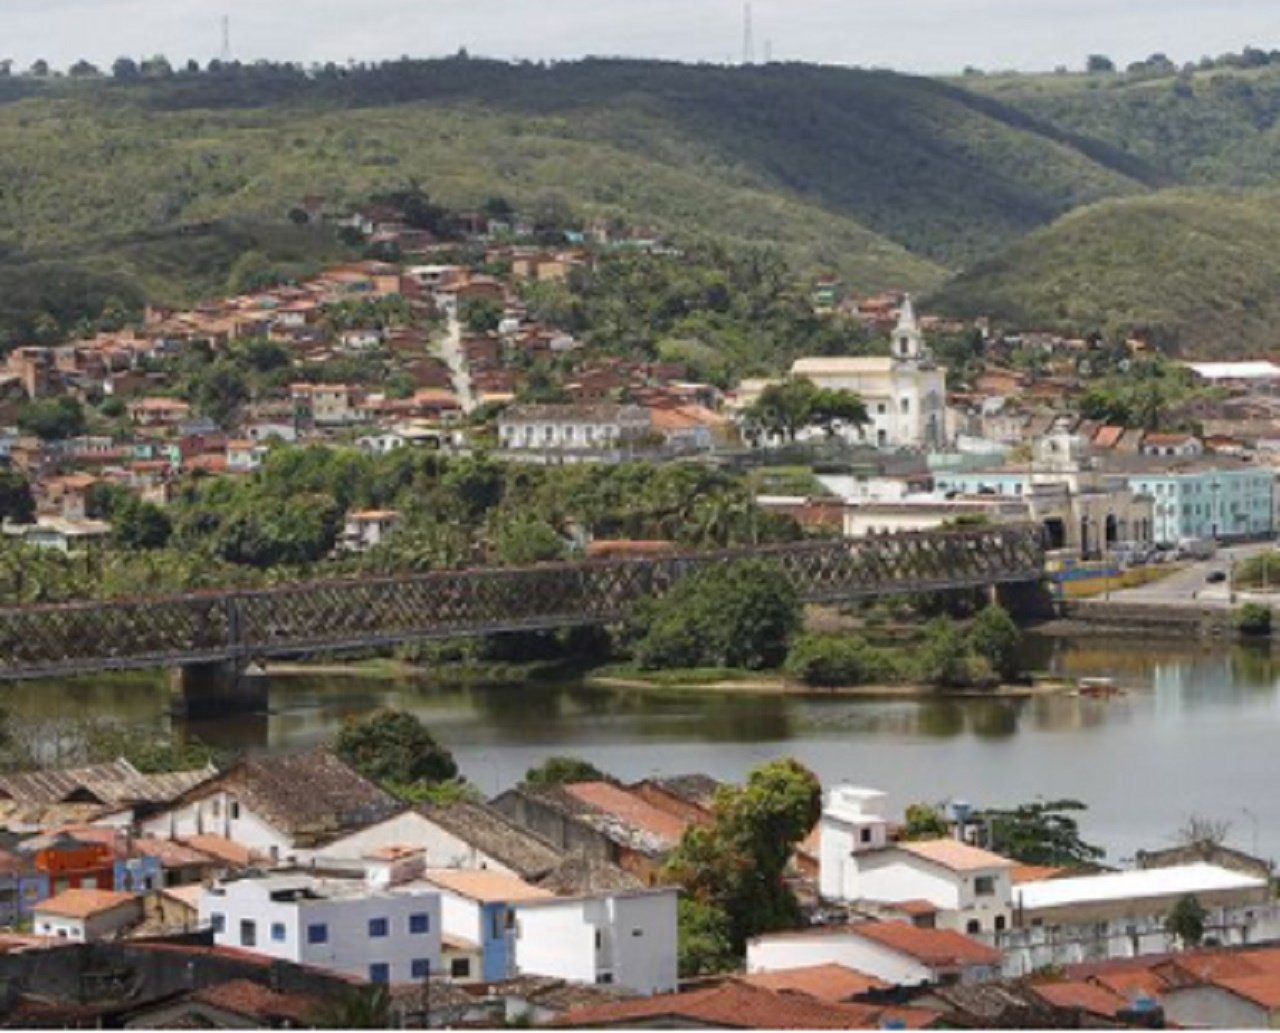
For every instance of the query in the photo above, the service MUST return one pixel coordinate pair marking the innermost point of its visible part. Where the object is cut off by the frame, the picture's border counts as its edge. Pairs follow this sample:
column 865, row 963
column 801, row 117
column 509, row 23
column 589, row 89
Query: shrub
column 1253, row 619
column 830, row 661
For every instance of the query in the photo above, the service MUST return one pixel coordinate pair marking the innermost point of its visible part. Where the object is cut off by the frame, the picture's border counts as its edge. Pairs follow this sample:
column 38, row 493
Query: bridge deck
column 336, row 616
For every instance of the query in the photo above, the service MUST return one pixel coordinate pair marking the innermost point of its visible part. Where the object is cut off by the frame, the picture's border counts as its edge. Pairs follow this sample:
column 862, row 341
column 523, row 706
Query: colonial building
column 905, row 393
column 574, row 428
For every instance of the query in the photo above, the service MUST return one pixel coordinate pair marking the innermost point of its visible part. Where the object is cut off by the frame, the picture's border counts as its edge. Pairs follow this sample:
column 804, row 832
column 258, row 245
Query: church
column 905, row 393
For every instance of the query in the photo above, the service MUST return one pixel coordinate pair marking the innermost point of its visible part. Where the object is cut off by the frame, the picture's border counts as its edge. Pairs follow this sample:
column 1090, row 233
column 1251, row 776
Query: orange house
column 74, row 864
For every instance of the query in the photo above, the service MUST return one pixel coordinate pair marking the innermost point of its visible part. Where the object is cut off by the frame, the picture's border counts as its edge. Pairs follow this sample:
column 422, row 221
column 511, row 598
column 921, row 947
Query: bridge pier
column 215, row 689
column 1025, row 600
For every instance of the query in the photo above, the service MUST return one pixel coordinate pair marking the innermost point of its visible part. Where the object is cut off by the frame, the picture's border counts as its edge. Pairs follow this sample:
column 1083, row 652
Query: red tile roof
column 82, row 903
column 631, row 809
column 825, row 982
column 1090, row 997
column 254, row 1001
column 937, row 948
column 1034, row 873
column 1263, row 990
column 957, row 856
column 736, row 1005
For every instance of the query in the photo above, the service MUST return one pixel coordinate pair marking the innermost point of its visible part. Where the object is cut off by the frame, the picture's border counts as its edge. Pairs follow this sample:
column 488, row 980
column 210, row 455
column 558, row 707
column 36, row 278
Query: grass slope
column 1200, row 269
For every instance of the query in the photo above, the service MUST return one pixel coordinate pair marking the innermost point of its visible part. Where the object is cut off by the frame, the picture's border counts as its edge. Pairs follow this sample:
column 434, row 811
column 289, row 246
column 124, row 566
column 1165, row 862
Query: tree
column 83, row 70
column 996, row 638
column 52, row 419
column 736, row 865
column 736, row 615
column 556, row 771
column 360, row 1007
column 39, row 68
column 944, row 656
column 125, row 68
column 705, row 945
column 1253, row 620
column 137, row 524
column 1201, row 830
column 834, row 409
column 392, row 747
column 251, row 272
column 524, row 542
column 1186, row 921
column 1099, row 64
column 926, row 821
column 835, row 661
column 17, row 504
column 480, row 315
column 1043, row 832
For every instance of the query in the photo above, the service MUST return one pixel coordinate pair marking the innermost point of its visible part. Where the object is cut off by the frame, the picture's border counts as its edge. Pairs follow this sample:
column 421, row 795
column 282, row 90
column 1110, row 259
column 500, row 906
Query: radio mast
column 748, row 42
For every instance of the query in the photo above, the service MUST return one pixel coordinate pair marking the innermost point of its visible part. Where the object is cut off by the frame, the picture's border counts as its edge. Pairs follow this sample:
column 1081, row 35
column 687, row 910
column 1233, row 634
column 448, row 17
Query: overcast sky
column 909, row 35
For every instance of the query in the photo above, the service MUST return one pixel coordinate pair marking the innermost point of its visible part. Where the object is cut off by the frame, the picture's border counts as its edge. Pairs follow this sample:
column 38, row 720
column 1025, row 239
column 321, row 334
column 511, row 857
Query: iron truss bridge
column 342, row 616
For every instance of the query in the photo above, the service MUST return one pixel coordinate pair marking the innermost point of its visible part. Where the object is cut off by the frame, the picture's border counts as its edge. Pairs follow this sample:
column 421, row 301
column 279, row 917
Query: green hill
column 890, row 179
column 1198, row 269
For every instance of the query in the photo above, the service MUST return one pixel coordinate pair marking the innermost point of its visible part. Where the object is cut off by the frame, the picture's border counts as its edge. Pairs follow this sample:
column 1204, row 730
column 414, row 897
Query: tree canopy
column 564, row 771
column 393, row 748
column 1044, row 832
column 786, row 408
column 733, row 870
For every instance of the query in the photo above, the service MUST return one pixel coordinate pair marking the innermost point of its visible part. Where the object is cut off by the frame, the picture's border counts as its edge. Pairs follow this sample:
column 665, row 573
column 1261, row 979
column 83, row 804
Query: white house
column 280, row 807
column 367, row 528
column 382, row 934
column 572, row 428
column 626, row 938
column 460, row 835
column 1122, row 914
column 969, row 888
column 85, row 915
column 898, row 953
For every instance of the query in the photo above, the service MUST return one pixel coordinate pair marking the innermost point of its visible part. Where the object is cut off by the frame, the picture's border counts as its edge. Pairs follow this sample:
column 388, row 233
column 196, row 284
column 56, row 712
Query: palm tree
column 365, row 1007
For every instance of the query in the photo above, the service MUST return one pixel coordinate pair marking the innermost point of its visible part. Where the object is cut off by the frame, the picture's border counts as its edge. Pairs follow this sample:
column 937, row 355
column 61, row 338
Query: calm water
column 1198, row 734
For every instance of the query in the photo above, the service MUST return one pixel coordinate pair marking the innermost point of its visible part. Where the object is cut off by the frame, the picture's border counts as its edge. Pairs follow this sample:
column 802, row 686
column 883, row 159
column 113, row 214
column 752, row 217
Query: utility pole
column 226, row 38
column 748, row 42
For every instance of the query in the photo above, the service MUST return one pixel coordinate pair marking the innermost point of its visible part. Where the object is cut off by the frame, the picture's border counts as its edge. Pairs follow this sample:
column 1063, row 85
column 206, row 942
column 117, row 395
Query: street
column 1190, row 586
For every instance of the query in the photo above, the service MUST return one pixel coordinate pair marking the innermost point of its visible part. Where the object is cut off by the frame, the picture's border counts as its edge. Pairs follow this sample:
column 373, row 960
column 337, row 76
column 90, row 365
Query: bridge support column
column 1025, row 600
column 215, row 689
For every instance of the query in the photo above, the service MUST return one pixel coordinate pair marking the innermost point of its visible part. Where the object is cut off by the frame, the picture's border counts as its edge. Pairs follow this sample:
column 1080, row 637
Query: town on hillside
column 293, row 891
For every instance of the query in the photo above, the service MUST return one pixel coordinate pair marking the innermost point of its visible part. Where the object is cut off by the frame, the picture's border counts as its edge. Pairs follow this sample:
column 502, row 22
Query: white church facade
column 905, row 393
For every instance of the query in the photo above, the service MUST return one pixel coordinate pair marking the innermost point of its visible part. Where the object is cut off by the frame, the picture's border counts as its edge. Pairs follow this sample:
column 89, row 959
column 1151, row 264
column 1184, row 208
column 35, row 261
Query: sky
column 930, row 36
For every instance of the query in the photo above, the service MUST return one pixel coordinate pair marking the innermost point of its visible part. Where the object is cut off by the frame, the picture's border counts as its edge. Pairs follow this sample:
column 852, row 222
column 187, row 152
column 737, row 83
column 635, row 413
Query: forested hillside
column 1197, row 269
column 137, row 186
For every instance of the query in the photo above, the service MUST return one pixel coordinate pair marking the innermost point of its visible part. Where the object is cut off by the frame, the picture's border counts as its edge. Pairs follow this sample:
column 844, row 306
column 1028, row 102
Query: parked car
column 1216, row 577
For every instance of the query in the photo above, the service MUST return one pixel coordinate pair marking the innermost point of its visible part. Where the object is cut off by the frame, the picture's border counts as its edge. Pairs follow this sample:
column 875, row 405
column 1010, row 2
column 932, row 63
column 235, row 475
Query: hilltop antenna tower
column 748, row 42
column 226, row 38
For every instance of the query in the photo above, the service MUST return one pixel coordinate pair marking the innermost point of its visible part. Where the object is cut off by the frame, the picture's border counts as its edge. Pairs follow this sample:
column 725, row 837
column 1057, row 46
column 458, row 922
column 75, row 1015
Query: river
column 1198, row 733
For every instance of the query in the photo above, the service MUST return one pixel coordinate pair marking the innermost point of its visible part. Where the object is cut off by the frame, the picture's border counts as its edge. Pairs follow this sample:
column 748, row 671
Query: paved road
column 1190, row 586
column 451, row 352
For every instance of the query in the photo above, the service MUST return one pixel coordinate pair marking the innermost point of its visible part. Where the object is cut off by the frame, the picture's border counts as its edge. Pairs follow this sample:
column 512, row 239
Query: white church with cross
column 905, row 393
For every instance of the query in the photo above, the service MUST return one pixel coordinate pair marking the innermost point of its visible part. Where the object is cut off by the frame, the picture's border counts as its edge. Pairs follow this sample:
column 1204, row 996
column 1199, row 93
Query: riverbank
column 455, row 674
column 767, row 684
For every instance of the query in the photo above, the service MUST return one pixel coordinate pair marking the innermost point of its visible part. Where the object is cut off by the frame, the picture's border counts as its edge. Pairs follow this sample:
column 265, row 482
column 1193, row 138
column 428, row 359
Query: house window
column 234, row 809
column 496, row 925
column 377, row 928
column 248, row 933
column 599, row 940
column 277, row 932
column 420, row 923
column 379, row 972
column 1000, row 923
column 974, row 926
column 218, row 923
column 420, row 968
column 984, row 885
column 605, row 978
column 460, row 968
column 865, row 835
column 318, row 933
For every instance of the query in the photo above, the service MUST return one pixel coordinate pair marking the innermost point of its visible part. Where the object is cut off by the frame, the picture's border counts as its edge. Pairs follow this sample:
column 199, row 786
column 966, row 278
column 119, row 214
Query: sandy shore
column 781, row 687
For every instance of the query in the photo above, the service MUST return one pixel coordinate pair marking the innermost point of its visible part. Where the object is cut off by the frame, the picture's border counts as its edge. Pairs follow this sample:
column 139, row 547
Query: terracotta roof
column 486, row 885
column 80, row 903
column 737, row 1005
column 699, row 790
column 825, row 982
column 171, row 853
column 255, row 1001
column 222, row 849
column 493, row 833
column 632, row 810
column 959, row 857
column 583, row 876
column 938, row 948
column 1090, row 997
column 915, row 907
column 189, row 894
column 1034, row 873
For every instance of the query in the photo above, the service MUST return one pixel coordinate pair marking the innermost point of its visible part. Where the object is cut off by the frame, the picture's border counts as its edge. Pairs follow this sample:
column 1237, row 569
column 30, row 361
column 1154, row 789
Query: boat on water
column 1098, row 688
